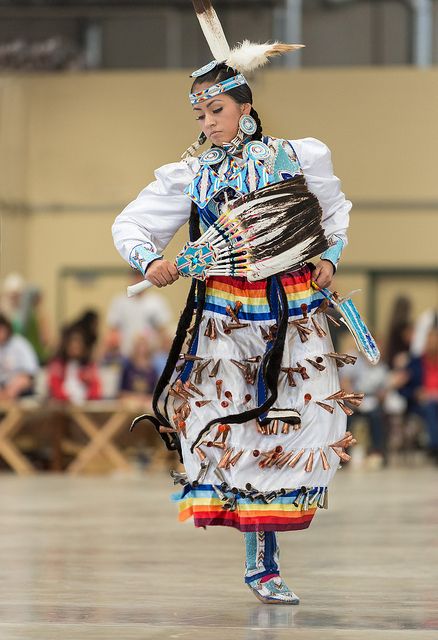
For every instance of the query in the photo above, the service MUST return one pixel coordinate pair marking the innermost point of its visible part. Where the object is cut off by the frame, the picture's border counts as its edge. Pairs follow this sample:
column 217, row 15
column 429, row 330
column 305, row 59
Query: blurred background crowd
column 120, row 356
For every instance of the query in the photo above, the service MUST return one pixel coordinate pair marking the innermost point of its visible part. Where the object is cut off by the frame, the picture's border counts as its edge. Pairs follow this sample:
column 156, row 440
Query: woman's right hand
column 161, row 273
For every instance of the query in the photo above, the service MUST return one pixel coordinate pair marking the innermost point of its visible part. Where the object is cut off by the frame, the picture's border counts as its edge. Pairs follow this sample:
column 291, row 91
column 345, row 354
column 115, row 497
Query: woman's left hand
column 323, row 274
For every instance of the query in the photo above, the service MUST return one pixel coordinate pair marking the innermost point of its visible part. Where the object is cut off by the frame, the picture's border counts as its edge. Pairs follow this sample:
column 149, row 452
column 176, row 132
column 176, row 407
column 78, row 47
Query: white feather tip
column 248, row 56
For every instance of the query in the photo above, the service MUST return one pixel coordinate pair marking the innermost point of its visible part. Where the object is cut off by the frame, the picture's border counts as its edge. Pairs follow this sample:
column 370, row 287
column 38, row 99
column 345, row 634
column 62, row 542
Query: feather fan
column 212, row 29
column 248, row 56
column 268, row 231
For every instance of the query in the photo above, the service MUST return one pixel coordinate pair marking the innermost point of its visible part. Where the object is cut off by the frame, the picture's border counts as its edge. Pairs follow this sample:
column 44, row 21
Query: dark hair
column 241, row 94
column 67, row 333
column 5, row 322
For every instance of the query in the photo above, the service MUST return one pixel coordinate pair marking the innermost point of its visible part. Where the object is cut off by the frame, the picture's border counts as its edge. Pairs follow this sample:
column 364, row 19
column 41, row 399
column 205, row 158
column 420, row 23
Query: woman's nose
column 210, row 120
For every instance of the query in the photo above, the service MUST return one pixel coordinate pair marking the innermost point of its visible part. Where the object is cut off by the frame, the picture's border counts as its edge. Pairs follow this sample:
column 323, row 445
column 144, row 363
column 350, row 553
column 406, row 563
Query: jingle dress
column 269, row 473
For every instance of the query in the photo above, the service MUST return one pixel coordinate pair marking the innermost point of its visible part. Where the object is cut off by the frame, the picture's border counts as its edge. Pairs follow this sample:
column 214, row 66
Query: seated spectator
column 22, row 304
column 422, row 388
column 72, row 375
column 148, row 310
column 18, row 363
column 139, row 374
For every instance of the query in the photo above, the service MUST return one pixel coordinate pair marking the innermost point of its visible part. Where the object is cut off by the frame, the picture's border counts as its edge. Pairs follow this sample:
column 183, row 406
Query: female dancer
column 248, row 403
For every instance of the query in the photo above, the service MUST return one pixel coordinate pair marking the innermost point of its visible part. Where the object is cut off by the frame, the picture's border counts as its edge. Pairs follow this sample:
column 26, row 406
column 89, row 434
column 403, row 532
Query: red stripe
column 232, row 515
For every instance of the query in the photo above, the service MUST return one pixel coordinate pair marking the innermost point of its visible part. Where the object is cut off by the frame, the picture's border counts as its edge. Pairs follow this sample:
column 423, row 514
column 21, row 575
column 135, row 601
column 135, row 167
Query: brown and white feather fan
column 212, row 29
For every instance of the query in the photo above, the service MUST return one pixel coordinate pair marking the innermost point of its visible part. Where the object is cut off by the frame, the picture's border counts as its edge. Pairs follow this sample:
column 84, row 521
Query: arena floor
column 99, row 558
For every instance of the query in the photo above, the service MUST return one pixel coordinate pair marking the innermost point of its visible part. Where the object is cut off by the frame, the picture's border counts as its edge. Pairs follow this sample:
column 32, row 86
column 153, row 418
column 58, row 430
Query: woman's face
column 219, row 117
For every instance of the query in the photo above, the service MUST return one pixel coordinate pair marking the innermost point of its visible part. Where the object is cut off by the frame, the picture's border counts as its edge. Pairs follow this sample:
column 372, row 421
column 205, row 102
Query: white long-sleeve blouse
column 161, row 208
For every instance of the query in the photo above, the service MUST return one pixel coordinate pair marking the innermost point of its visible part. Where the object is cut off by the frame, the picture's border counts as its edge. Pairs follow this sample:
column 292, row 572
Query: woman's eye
column 217, row 110
column 200, row 118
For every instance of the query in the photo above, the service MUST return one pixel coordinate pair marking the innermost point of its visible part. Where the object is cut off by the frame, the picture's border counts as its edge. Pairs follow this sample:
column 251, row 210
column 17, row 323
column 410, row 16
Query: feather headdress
column 212, row 29
column 246, row 56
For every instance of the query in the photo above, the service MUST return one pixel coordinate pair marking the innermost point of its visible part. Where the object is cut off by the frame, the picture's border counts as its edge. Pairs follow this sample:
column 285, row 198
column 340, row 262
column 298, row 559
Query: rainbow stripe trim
column 225, row 290
column 206, row 509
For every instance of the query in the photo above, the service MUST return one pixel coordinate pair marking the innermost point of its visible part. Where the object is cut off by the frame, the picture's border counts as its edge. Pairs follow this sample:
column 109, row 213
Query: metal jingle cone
column 323, row 306
column 237, row 307
column 309, row 463
column 235, row 458
column 224, row 461
column 325, row 501
column 296, row 458
column 316, row 364
column 325, row 462
column 190, row 358
column 345, row 409
column 290, row 377
column 240, row 365
column 253, row 359
column 285, row 428
column 193, row 388
column 225, row 328
column 305, row 505
column 320, row 502
column 218, row 473
column 325, row 406
column 216, row 445
column 303, row 332
column 205, row 464
column 232, row 326
column 231, row 313
column 178, row 477
column 251, row 374
column 337, row 396
column 202, row 403
column 333, row 320
column 301, row 370
column 300, row 497
column 208, row 329
column 304, row 310
column 213, row 373
column 274, row 427
column 320, row 332
column 219, row 389
column 283, row 460
column 343, row 455
column 200, row 453
column 314, row 497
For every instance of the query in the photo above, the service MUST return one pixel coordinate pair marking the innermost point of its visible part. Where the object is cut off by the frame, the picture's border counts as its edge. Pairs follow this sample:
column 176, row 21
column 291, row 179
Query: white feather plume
column 212, row 29
column 248, row 56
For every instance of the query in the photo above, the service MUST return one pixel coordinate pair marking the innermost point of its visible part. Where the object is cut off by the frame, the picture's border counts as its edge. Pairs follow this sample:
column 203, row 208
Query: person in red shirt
column 72, row 375
column 422, row 388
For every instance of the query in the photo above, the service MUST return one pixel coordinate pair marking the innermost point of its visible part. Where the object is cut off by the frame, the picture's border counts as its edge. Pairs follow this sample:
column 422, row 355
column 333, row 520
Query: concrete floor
column 105, row 558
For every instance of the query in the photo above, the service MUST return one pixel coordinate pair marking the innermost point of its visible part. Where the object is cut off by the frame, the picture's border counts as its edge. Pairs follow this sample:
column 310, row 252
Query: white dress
column 269, row 473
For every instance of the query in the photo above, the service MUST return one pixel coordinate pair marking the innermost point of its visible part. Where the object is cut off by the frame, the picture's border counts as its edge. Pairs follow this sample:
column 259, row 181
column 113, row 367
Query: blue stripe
column 206, row 491
column 294, row 308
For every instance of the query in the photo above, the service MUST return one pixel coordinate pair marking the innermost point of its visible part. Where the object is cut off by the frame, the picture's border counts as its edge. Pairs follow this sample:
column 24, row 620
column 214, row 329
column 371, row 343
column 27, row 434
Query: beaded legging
column 262, row 555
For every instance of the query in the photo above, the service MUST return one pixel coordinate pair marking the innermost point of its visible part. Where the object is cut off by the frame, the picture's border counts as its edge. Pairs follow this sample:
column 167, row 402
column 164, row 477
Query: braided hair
column 241, row 94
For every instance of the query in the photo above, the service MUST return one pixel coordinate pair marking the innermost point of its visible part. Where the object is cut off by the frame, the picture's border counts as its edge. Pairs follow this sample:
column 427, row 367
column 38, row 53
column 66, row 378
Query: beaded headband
column 221, row 87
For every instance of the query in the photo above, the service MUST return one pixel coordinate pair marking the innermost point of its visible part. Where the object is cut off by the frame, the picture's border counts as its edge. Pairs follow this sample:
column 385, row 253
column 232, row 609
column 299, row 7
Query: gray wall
column 366, row 32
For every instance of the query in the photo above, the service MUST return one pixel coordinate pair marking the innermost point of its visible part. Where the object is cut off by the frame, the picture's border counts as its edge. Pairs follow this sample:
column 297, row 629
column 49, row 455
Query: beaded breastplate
column 231, row 176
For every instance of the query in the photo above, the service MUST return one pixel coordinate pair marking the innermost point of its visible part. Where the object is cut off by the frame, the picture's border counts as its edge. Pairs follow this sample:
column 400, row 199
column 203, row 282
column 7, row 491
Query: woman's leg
column 262, row 570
